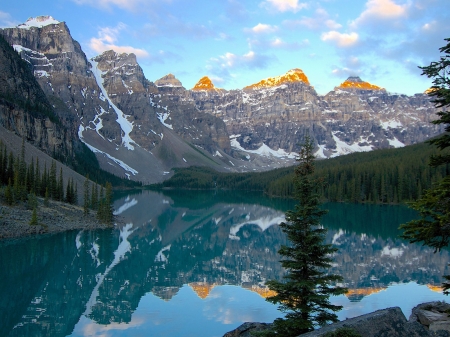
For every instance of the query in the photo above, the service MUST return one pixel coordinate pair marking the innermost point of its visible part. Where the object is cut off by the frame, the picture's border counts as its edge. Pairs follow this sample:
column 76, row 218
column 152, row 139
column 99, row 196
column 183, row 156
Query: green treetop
column 304, row 293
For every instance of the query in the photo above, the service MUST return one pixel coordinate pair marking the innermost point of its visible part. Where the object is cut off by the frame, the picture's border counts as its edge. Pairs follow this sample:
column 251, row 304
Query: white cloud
column 224, row 66
column 130, row 5
column 284, row 5
column 380, row 10
column 7, row 21
column 320, row 20
column 340, row 39
column 108, row 36
column 262, row 28
column 277, row 43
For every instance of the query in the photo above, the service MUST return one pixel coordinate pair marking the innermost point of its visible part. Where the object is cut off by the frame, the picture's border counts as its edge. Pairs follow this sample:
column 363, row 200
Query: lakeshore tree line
column 381, row 176
column 24, row 182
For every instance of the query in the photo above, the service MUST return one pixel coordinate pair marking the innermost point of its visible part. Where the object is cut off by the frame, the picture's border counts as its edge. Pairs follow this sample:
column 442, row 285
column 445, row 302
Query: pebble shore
column 56, row 217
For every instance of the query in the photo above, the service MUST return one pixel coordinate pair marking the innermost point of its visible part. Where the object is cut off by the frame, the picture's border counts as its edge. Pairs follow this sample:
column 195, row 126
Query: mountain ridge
column 141, row 129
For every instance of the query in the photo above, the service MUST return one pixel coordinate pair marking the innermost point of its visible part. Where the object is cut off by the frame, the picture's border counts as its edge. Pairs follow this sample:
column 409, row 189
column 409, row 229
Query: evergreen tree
column 9, row 198
column 52, row 183
column 433, row 228
column 60, row 186
column 37, row 177
column 75, row 198
column 304, row 294
column 86, row 196
column 34, row 220
column 46, row 197
column 105, row 212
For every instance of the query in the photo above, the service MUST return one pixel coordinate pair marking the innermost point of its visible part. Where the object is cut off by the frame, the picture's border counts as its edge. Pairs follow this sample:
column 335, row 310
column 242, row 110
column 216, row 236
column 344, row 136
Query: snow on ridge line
column 93, row 149
column 39, row 22
column 263, row 150
column 122, row 120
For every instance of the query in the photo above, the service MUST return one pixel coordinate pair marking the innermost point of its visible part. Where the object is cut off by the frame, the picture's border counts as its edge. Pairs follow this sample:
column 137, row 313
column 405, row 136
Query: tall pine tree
column 433, row 228
column 304, row 293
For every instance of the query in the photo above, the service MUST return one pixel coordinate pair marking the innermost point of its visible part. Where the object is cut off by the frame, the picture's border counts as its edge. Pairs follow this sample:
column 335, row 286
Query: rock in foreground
column 427, row 319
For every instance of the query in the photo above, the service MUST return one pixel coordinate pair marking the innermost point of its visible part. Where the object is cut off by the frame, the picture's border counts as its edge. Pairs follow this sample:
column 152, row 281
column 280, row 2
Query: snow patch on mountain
column 163, row 117
column 393, row 124
column 39, row 22
column 124, row 123
column 263, row 150
column 343, row 148
column 95, row 150
column 395, row 142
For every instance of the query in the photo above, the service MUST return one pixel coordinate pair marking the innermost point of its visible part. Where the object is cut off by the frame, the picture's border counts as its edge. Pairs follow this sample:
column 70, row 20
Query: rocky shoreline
column 426, row 320
column 56, row 217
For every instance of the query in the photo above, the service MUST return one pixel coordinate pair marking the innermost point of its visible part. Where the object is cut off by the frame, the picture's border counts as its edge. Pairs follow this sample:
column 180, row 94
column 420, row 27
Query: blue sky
column 237, row 43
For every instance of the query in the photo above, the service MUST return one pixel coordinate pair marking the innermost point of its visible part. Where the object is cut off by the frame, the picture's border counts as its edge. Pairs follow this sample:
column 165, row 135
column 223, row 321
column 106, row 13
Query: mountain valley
column 140, row 129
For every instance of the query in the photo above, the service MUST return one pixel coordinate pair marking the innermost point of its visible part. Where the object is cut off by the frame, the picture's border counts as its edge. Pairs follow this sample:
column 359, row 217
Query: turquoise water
column 194, row 264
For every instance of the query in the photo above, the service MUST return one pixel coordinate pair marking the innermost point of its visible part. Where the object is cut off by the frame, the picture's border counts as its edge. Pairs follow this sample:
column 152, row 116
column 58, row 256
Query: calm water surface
column 194, row 264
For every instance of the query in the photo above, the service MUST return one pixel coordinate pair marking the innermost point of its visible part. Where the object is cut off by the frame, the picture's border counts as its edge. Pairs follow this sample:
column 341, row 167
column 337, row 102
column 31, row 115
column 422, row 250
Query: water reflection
column 177, row 252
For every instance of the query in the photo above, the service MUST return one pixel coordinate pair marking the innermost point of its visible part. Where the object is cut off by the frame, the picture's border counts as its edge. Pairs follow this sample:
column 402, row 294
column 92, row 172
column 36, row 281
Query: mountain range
column 141, row 130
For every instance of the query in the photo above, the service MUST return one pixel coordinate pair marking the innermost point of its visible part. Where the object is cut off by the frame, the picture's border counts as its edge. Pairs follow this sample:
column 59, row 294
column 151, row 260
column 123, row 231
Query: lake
column 194, row 263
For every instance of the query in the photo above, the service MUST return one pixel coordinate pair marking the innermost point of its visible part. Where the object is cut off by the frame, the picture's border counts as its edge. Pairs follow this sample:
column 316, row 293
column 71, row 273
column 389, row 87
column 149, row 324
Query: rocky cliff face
column 24, row 108
column 356, row 116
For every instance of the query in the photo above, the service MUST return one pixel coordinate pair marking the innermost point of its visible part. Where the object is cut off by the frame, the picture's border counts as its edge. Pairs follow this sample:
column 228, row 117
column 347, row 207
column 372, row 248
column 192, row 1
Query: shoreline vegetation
column 390, row 176
column 37, row 199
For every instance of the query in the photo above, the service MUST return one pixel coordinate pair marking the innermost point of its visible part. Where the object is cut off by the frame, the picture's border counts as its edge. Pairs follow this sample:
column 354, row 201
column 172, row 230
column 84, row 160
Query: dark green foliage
column 46, row 197
column 105, row 211
column 9, row 198
column 60, row 187
column 34, row 220
column 86, row 204
column 433, row 228
column 304, row 293
column 32, row 201
column 440, row 91
column 71, row 196
column 343, row 332
column 382, row 176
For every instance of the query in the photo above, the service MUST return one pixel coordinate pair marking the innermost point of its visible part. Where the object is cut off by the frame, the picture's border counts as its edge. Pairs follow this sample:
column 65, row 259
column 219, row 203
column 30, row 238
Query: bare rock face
column 24, row 108
column 168, row 81
column 356, row 116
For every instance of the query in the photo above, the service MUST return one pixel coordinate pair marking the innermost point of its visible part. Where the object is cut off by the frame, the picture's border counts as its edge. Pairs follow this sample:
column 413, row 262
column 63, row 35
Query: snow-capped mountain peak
column 39, row 22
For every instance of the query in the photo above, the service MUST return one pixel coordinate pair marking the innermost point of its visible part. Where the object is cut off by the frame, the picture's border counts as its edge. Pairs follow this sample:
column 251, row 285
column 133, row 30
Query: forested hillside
column 382, row 176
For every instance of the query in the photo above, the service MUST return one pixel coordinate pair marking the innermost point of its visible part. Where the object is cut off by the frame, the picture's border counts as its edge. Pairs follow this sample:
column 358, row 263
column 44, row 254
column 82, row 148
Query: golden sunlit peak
column 205, row 84
column 354, row 82
column 293, row 75
column 202, row 289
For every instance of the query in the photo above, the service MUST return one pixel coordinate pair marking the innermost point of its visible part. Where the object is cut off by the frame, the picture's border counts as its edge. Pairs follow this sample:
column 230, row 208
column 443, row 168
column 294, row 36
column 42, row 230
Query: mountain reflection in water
column 219, row 247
